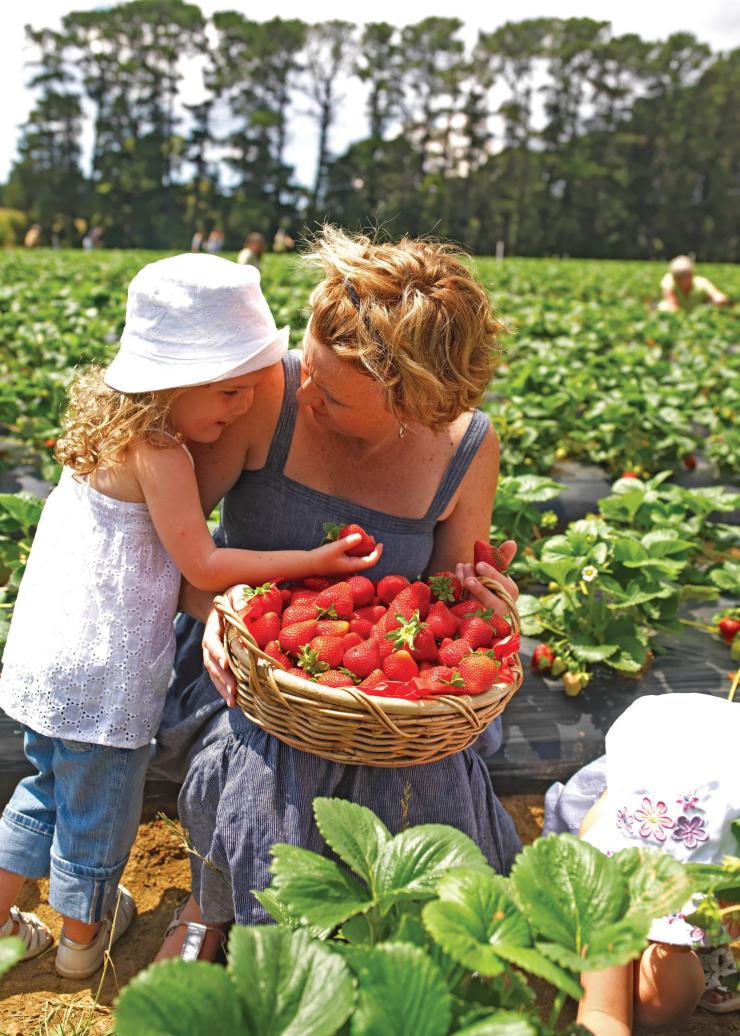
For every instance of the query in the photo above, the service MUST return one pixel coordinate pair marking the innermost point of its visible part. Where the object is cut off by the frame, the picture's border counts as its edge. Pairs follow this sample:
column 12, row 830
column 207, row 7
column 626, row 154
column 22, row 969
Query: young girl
column 91, row 644
column 670, row 772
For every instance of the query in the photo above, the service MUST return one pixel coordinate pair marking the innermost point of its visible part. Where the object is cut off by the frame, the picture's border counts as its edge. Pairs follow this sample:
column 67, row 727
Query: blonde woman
column 91, row 644
column 374, row 422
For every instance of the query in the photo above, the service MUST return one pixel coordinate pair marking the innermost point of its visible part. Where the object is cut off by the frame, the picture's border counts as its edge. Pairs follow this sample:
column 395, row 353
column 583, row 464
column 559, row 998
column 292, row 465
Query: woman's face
column 339, row 396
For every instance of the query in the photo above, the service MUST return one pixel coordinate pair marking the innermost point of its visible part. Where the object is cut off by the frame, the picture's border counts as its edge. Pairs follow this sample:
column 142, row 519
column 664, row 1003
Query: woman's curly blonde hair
column 412, row 315
column 100, row 422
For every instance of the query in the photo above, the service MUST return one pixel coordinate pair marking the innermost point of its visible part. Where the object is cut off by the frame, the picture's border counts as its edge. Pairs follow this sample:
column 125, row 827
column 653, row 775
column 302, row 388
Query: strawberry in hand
column 365, row 546
column 489, row 555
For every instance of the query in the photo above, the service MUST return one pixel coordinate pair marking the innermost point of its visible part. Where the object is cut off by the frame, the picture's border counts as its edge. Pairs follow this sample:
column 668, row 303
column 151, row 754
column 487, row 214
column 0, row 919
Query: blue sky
column 716, row 22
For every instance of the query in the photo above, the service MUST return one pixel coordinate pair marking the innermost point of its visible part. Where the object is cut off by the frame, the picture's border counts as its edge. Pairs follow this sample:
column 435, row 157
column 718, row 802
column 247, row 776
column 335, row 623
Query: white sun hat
column 194, row 319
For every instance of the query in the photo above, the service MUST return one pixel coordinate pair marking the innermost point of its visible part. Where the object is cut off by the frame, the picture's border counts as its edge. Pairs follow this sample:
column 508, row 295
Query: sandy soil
column 34, row 1001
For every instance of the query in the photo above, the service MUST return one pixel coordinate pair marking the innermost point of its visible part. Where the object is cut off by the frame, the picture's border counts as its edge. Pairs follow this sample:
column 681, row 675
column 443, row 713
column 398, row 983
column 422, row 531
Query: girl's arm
column 606, row 1005
column 170, row 489
column 470, row 520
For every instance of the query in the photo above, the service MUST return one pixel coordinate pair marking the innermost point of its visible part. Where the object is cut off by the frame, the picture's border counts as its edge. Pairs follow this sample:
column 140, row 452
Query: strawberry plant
column 19, row 516
column 410, row 934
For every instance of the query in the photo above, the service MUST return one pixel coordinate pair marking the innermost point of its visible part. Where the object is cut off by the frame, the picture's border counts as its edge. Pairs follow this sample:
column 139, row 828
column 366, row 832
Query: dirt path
column 34, row 1000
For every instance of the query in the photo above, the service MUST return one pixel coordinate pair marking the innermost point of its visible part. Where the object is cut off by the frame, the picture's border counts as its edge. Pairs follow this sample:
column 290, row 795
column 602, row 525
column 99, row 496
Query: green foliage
column 11, row 951
column 422, row 937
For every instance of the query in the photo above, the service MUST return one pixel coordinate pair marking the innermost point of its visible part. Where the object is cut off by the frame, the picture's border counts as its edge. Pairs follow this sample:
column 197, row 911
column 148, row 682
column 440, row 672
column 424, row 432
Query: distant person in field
column 33, row 236
column 251, row 253
column 282, row 242
column 196, row 242
column 215, row 241
column 683, row 290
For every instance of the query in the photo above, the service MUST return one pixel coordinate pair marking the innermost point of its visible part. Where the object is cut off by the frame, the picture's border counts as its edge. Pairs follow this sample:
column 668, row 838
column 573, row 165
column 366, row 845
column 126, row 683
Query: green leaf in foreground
column 12, row 950
column 502, row 1023
column 355, row 834
column 401, row 993
column 288, row 984
column 413, row 862
column 179, row 998
column 477, row 923
column 656, row 883
column 315, row 889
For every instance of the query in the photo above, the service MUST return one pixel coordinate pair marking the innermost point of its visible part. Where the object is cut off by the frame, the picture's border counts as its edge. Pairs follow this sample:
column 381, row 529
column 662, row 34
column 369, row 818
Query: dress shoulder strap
column 463, row 455
column 181, row 444
column 283, row 434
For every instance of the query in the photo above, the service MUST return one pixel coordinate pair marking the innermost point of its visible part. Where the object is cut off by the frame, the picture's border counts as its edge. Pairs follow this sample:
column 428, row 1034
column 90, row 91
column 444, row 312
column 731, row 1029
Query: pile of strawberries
column 391, row 637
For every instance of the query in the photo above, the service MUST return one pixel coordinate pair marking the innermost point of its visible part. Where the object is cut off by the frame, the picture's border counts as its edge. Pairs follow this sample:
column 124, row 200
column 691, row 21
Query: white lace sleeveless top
column 91, row 643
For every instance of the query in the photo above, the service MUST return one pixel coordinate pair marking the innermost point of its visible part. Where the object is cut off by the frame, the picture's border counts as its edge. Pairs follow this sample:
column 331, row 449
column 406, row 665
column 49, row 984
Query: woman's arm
column 169, row 486
column 470, row 520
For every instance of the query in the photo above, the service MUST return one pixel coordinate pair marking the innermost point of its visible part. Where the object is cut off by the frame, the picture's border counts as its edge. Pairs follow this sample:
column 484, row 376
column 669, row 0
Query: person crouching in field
column 671, row 783
column 91, row 644
column 683, row 290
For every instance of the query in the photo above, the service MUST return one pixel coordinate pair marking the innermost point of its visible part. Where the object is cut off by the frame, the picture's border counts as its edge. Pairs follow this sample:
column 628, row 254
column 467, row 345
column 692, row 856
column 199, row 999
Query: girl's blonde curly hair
column 100, row 422
column 412, row 316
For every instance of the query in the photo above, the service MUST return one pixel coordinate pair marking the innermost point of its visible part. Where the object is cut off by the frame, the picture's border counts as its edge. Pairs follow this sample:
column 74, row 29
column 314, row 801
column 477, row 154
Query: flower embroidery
column 689, row 801
column 696, row 934
column 624, row 821
column 653, row 820
column 675, row 916
column 690, row 831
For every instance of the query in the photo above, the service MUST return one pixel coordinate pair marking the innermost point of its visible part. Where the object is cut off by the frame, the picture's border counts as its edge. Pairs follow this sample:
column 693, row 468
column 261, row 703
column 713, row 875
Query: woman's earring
column 401, row 430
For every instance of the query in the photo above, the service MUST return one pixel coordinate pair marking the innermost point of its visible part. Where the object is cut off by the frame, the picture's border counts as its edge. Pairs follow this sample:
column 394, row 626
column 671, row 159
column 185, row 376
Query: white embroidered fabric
column 672, row 784
column 91, row 644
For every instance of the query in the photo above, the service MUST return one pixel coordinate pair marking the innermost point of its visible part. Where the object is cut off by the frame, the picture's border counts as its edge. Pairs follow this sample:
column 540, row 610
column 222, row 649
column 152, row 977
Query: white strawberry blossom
column 589, row 573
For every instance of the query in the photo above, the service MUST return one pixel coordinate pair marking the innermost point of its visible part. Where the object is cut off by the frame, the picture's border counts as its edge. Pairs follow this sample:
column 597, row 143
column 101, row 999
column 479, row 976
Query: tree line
column 550, row 135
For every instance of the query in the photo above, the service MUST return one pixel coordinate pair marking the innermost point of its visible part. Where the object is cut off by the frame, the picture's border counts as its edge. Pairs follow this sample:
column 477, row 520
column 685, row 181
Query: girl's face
column 201, row 413
column 339, row 396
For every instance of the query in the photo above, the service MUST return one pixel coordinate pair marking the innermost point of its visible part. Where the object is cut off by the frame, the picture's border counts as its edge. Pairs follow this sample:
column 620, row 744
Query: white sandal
column 718, row 963
column 195, row 934
column 80, row 960
column 31, row 929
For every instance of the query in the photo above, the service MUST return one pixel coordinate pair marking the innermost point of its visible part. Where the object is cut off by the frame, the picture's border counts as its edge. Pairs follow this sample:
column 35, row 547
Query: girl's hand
column 214, row 656
column 331, row 559
column 466, row 573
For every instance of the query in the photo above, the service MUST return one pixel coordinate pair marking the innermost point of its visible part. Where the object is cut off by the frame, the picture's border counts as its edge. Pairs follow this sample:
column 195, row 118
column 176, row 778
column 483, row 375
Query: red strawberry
column 295, row 671
column 491, row 555
column 446, row 587
column 728, row 629
column 403, row 632
column 350, row 640
column 273, row 650
column 303, row 594
column 361, row 627
column 377, row 676
column 332, row 628
column 441, row 621
column 260, row 599
column 629, row 474
column 287, row 595
column 542, row 658
column 465, row 608
column 338, row 532
column 689, row 462
column 452, row 653
column 445, row 675
column 335, row 602
column 399, row 665
column 264, row 628
column 417, row 597
column 321, row 653
column 301, row 611
column 334, row 678
column 389, row 587
column 476, row 631
column 424, row 667
column 294, row 636
column 363, row 591
column 373, row 613
column 425, row 647
column 363, row 659
column 501, row 627
column 479, row 673
column 319, row 583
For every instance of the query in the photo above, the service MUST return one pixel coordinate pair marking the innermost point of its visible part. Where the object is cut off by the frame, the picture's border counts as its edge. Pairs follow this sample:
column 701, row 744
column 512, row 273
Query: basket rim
column 435, row 704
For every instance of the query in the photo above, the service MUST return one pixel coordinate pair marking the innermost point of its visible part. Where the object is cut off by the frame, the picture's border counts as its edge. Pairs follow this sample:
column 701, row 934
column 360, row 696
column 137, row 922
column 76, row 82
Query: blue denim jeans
column 75, row 820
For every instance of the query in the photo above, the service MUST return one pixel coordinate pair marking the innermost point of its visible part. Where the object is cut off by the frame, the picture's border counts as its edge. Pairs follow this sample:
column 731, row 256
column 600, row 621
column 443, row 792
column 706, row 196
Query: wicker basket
column 345, row 725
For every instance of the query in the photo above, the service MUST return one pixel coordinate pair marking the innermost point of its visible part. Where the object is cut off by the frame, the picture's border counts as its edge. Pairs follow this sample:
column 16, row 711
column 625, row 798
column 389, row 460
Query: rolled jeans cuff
column 85, row 893
column 25, row 844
